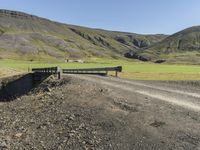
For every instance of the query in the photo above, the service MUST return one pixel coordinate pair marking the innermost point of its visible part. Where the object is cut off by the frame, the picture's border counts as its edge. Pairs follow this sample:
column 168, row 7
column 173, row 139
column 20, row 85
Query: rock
column 157, row 123
column 47, row 89
column 141, row 43
column 3, row 145
column 72, row 117
column 134, row 55
column 160, row 61
column 101, row 90
column 18, row 135
column 49, row 94
column 72, row 131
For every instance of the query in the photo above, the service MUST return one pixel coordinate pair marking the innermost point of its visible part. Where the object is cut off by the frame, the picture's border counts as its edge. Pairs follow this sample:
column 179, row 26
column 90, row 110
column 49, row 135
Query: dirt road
column 92, row 112
column 160, row 114
column 187, row 96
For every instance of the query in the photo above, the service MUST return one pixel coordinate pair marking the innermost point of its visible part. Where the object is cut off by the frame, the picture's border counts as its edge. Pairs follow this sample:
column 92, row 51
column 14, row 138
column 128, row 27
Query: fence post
column 59, row 72
column 116, row 73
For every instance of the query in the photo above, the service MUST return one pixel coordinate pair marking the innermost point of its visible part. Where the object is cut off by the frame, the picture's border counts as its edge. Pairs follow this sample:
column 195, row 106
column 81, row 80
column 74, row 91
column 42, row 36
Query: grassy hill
column 32, row 38
column 28, row 37
column 181, row 47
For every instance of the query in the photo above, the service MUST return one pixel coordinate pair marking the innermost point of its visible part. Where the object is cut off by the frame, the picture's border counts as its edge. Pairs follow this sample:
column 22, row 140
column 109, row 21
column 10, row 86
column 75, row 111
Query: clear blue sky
column 139, row 16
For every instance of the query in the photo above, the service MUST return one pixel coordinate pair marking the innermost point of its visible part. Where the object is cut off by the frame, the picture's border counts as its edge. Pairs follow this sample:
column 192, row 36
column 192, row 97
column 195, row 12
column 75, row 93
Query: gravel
column 73, row 113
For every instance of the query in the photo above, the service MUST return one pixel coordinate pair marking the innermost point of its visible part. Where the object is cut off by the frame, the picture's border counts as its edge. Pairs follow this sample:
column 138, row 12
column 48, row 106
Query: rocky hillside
column 24, row 36
column 28, row 37
column 186, row 40
column 183, row 46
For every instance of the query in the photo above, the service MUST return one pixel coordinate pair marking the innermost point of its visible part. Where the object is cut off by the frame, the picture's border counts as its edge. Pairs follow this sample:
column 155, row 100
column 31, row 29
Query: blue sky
column 139, row 16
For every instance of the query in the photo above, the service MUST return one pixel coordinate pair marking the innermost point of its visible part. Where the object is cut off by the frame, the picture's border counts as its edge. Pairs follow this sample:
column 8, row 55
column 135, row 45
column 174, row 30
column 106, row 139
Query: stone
column 47, row 89
column 18, row 135
column 3, row 145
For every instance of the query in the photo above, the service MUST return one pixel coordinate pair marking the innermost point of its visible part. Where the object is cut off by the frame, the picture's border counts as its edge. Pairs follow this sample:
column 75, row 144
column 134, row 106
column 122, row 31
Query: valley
column 31, row 38
column 152, row 104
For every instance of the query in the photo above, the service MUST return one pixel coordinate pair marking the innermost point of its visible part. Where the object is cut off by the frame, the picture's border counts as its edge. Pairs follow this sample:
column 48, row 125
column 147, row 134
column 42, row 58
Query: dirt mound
column 57, row 115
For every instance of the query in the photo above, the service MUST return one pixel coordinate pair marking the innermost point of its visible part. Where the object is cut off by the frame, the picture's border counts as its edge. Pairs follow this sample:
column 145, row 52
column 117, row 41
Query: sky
column 137, row 16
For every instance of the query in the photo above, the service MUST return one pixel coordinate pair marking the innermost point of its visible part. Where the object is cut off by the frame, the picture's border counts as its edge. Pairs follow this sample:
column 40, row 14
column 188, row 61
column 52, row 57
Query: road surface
column 185, row 96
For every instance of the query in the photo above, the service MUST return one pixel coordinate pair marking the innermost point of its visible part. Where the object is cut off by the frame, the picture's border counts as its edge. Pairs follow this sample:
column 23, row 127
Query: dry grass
column 5, row 72
column 159, row 76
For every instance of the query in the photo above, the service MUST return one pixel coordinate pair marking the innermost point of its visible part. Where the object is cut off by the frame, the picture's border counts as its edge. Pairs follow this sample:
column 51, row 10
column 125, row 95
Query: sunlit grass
column 131, row 70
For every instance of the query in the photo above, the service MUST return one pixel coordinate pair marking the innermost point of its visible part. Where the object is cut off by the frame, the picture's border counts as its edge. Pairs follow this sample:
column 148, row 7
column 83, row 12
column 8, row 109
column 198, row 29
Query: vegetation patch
column 131, row 70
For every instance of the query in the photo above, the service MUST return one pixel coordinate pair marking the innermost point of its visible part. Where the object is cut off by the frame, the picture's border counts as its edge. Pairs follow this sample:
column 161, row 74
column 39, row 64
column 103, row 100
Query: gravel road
column 187, row 96
column 94, row 112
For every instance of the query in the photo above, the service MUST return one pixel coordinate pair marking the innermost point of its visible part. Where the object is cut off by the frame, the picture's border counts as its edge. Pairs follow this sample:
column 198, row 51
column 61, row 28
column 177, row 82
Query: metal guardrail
column 56, row 70
column 102, row 71
column 51, row 70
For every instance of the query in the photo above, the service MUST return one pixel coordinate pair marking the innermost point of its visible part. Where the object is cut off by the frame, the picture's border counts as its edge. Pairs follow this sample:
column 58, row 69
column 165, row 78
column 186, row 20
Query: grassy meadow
column 131, row 69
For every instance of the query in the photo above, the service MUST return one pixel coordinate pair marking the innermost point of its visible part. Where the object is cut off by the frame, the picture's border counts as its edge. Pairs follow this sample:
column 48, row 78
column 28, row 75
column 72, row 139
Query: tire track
column 180, row 98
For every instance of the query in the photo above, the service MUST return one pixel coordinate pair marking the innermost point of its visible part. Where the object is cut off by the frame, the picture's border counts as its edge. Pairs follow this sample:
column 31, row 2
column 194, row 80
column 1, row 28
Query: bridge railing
column 46, row 70
column 50, row 70
column 102, row 71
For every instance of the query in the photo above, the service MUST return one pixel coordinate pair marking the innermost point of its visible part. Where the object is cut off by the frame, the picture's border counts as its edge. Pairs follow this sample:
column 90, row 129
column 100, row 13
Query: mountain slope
column 183, row 46
column 186, row 40
column 24, row 36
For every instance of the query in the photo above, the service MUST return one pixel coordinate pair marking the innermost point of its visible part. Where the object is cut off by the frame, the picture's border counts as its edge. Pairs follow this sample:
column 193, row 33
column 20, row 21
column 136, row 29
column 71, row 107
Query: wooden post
column 59, row 75
column 59, row 72
column 116, row 73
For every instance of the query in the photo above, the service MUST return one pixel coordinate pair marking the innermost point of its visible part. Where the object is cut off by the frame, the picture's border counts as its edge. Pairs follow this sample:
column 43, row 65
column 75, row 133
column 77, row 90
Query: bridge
column 94, row 71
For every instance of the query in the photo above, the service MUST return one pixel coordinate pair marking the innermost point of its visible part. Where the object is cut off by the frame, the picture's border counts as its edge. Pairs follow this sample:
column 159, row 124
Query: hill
column 28, row 37
column 181, row 47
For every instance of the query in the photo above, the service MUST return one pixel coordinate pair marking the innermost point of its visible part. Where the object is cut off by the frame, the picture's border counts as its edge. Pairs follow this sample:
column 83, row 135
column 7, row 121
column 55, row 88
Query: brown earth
column 89, row 112
column 5, row 72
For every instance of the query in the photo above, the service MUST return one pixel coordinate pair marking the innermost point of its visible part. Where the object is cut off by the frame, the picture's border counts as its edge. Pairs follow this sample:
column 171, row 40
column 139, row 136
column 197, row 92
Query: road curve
column 179, row 95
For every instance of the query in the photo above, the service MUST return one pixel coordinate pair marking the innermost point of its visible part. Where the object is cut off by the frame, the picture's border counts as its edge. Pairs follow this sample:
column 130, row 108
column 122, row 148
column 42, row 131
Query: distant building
column 71, row 61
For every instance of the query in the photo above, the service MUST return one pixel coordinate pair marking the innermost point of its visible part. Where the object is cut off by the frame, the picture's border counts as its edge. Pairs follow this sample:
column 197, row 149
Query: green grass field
column 131, row 70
